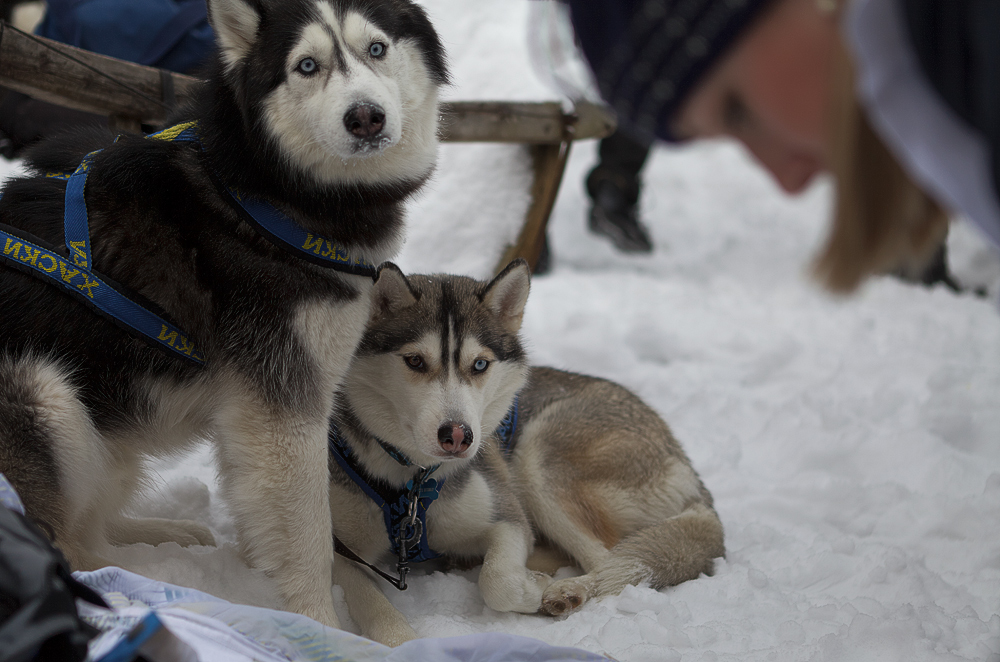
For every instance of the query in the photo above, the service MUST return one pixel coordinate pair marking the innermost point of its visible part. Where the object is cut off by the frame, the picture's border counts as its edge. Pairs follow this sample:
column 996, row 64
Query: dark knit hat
column 646, row 55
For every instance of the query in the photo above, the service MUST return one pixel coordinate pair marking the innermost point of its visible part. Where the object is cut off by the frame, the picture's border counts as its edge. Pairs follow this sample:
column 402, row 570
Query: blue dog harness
column 77, row 277
column 404, row 511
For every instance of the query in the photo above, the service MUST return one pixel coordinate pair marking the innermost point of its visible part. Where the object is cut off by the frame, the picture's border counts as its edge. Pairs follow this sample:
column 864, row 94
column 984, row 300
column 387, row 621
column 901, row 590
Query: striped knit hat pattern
column 647, row 55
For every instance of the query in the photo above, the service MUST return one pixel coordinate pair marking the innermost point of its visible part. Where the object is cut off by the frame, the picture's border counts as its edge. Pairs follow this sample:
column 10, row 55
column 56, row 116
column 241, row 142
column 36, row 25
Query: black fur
column 160, row 228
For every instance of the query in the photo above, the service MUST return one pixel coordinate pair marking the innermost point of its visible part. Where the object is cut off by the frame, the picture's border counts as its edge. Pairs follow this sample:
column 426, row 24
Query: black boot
column 615, row 217
column 614, row 186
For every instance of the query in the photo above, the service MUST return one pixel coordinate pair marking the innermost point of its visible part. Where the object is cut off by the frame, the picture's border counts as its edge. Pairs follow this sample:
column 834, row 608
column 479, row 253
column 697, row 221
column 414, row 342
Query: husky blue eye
column 480, row 365
column 307, row 66
column 377, row 49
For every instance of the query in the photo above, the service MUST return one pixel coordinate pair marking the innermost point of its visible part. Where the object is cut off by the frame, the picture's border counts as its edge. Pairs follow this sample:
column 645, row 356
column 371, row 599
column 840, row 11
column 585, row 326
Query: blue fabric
column 8, row 496
column 128, row 648
column 956, row 43
column 172, row 34
column 276, row 636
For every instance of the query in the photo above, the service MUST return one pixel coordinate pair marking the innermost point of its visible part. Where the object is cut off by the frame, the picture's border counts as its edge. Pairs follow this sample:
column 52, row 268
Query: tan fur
column 621, row 498
column 588, row 513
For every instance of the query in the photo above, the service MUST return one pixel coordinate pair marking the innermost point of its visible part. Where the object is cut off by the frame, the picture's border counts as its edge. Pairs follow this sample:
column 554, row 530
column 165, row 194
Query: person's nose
column 792, row 169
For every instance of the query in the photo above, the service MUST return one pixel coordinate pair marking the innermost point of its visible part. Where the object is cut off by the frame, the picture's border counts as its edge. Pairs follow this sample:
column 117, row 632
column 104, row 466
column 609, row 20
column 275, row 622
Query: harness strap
column 77, row 277
column 397, row 505
column 404, row 511
column 75, row 225
column 345, row 551
column 274, row 225
column 396, row 454
column 95, row 291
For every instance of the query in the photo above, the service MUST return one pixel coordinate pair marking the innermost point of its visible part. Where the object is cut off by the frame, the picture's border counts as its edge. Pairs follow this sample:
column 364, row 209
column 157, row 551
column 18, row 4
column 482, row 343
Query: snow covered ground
column 852, row 445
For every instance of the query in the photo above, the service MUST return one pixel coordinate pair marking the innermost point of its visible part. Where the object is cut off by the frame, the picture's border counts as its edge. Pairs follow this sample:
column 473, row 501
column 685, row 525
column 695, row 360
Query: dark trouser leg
column 622, row 158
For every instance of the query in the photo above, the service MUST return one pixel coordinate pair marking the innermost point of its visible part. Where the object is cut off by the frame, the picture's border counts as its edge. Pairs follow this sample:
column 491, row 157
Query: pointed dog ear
column 508, row 292
column 391, row 292
column 235, row 23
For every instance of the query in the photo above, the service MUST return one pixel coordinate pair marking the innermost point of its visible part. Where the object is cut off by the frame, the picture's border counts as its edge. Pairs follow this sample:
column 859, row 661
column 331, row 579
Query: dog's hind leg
column 54, row 457
column 665, row 554
column 578, row 537
column 369, row 607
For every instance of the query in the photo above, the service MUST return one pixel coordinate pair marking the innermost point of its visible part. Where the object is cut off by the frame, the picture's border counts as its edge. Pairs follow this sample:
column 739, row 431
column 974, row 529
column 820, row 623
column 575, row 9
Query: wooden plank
column 80, row 79
column 540, row 123
column 46, row 70
column 549, row 166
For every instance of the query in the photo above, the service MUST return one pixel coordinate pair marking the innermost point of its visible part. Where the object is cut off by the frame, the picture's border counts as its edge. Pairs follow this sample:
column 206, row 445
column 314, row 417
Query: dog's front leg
column 369, row 607
column 506, row 584
column 273, row 465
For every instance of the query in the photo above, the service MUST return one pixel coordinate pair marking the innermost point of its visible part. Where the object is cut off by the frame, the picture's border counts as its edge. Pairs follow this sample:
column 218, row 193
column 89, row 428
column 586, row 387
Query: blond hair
column 882, row 220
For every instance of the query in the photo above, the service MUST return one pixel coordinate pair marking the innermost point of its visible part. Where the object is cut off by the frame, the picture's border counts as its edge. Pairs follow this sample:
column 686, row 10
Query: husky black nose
column 365, row 120
column 454, row 437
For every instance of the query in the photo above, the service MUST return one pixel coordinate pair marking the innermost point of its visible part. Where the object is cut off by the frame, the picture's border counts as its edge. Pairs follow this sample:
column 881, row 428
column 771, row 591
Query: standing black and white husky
column 325, row 113
column 428, row 455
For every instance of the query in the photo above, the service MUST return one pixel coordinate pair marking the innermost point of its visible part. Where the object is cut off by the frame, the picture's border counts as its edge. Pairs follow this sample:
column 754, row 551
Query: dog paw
column 519, row 592
column 396, row 635
column 155, row 531
column 194, row 534
column 564, row 596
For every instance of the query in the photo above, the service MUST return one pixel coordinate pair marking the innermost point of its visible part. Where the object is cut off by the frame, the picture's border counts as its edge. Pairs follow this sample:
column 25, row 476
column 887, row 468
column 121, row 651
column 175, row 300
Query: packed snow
column 852, row 444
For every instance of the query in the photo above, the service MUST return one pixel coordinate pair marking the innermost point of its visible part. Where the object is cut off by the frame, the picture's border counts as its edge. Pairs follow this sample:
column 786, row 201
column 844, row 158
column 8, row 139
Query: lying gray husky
column 445, row 442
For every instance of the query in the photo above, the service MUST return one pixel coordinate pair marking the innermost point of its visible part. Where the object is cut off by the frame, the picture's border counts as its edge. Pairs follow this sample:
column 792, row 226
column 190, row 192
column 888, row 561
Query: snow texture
column 852, row 445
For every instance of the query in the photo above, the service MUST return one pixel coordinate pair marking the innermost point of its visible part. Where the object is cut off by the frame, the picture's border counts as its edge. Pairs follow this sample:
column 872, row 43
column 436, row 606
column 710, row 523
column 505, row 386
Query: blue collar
column 507, row 429
column 274, row 225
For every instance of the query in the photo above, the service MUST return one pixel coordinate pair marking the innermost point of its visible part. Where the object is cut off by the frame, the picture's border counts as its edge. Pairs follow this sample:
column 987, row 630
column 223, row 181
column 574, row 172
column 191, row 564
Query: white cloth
column 948, row 158
column 202, row 628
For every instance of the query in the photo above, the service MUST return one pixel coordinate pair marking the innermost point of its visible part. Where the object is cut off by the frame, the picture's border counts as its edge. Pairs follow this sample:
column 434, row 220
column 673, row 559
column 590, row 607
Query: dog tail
column 27, row 446
column 664, row 554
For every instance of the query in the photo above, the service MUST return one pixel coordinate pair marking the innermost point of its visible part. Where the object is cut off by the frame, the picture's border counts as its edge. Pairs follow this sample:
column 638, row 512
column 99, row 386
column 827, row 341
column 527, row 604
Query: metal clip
column 411, row 524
